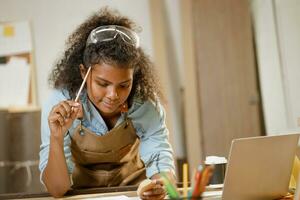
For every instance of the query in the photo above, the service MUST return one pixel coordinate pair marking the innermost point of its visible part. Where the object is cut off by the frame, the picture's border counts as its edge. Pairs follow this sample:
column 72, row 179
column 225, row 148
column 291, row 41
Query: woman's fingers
column 62, row 116
column 77, row 111
column 159, row 181
column 65, row 108
column 60, row 119
column 65, row 111
column 73, row 103
column 156, row 193
column 154, row 197
column 56, row 117
column 60, row 109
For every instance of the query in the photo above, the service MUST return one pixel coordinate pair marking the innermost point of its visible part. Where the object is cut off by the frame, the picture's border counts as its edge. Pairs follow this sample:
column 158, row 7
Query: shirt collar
column 90, row 111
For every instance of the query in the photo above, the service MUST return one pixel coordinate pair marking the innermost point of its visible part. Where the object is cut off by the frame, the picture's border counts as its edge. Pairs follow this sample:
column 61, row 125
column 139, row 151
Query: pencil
column 82, row 84
column 185, row 180
column 171, row 189
column 193, row 181
column 206, row 175
column 198, row 177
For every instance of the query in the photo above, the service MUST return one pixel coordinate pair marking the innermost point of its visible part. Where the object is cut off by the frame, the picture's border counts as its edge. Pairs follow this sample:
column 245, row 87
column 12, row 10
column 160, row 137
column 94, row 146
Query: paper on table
column 217, row 193
column 120, row 197
column 14, row 82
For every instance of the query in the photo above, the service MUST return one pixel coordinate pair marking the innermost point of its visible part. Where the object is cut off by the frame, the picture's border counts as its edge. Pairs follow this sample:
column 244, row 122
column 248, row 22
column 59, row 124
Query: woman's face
column 108, row 87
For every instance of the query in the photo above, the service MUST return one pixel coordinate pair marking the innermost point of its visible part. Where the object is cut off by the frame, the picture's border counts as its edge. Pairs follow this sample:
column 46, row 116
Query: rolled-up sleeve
column 56, row 97
column 155, row 150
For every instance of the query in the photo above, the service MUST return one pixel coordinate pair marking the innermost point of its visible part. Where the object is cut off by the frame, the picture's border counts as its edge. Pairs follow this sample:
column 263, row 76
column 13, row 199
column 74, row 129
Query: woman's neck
column 110, row 119
column 111, row 122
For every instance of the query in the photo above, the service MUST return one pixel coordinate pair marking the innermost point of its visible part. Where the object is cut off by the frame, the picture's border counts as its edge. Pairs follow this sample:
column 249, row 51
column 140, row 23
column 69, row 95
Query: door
column 226, row 75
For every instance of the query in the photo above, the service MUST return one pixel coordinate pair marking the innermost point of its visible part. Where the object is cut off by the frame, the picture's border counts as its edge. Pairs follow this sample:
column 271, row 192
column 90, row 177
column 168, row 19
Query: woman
column 112, row 132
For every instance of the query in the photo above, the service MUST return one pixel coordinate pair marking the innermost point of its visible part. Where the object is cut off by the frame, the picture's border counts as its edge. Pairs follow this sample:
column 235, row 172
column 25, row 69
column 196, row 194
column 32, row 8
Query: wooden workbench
column 93, row 193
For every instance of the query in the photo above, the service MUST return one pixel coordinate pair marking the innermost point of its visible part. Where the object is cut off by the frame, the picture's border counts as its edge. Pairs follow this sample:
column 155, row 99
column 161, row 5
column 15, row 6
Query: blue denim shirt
column 148, row 121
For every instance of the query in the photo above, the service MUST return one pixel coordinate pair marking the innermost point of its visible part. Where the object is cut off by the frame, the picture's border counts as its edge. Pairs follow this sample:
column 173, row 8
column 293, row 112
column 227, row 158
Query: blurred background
column 229, row 69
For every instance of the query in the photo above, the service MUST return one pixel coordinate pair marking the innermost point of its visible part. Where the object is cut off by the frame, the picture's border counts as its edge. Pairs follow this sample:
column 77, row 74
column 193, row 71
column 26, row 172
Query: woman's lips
column 109, row 105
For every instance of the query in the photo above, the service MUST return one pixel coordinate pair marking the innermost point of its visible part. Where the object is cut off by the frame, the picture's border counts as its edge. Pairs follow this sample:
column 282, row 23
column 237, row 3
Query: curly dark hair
column 66, row 73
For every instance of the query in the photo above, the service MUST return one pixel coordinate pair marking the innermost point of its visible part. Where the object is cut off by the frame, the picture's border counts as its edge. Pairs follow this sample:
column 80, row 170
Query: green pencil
column 171, row 189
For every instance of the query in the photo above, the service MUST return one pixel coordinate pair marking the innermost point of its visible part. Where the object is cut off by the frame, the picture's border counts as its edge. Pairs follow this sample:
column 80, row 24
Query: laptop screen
column 259, row 167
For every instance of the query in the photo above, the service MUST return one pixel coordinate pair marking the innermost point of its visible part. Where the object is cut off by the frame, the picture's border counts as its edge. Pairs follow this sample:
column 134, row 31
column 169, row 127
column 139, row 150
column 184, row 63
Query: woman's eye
column 102, row 84
column 124, row 86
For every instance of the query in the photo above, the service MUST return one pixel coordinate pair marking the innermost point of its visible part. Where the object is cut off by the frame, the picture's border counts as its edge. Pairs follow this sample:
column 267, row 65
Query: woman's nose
column 113, row 94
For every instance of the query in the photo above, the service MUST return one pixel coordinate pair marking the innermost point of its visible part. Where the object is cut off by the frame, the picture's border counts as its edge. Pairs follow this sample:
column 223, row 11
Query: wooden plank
column 228, row 84
column 4, row 150
column 76, row 193
column 192, row 113
column 161, row 59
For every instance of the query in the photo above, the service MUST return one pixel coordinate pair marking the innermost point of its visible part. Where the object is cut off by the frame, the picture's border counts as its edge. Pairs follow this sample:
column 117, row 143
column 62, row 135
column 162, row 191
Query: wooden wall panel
column 3, row 150
column 193, row 134
column 227, row 77
column 222, row 97
column 20, row 139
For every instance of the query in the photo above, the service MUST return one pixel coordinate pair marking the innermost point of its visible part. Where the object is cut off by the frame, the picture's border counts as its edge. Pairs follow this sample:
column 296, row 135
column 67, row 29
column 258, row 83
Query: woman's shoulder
column 59, row 94
column 147, row 117
column 55, row 96
column 146, row 109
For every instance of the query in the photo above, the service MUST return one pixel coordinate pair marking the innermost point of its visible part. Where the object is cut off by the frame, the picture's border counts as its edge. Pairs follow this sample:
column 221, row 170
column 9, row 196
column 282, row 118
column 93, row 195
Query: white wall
column 277, row 36
column 176, row 72
column 288, row 20
column 277, row 41
column 53, row 21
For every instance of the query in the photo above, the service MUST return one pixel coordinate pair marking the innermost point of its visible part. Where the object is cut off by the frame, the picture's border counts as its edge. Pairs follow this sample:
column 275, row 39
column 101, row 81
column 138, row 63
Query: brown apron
column 109, row 160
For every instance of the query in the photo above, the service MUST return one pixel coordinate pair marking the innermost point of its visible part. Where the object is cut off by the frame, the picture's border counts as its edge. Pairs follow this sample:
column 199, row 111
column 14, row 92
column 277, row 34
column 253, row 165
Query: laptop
column 259, row 167
column 297, row 192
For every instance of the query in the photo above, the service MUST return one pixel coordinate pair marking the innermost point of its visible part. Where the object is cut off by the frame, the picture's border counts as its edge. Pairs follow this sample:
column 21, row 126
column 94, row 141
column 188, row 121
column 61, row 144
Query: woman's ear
column 82, row 70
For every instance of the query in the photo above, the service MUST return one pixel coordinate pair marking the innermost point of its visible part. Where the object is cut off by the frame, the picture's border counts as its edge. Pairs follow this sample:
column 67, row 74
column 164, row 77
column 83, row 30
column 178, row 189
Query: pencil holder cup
column 219, row 168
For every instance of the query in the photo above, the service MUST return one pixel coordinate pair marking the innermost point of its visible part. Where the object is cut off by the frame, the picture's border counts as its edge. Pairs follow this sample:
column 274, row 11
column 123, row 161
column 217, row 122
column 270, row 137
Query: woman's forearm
column 55, row 175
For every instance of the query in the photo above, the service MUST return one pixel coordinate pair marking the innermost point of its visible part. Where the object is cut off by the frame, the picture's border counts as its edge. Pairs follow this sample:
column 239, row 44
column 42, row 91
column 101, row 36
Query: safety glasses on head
column 110, row 32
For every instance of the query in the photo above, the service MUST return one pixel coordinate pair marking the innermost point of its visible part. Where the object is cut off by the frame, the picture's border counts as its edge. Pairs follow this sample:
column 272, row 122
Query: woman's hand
column 158, row 192
column 155, row 193
column 62, row 116
column 55, row 175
